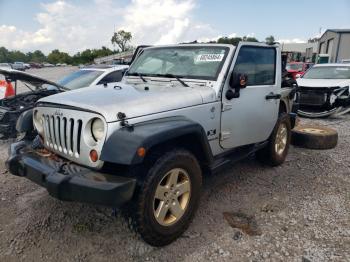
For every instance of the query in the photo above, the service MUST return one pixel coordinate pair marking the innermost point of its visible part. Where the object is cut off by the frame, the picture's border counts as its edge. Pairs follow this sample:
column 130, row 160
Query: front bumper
column 6, row 130
column 67, row 181
column 322, row 99
column 7, row 126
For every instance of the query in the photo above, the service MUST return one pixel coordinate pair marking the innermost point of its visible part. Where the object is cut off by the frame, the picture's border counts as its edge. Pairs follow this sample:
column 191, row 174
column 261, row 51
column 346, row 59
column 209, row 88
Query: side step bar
column 234, row 156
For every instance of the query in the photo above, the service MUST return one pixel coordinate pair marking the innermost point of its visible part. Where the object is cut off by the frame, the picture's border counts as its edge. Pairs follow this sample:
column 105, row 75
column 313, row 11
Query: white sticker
column 210, row 57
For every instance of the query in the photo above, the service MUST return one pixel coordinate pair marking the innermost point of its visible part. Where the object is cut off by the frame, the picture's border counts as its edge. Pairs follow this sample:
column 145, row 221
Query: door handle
column 273, row 96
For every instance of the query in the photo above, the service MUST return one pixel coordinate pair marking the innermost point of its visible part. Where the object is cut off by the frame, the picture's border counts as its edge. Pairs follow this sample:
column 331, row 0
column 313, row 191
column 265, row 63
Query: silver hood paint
column 323, row 82
column 133, row 100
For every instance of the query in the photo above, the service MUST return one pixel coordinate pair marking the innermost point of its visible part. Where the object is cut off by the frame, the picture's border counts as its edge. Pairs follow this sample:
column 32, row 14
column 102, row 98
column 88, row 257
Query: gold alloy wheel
column 281, row 139
column 172, row 197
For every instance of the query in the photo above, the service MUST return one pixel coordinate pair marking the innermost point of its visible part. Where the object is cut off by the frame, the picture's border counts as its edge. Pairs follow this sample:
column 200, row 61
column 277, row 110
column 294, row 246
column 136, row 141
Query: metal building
column 335, row 43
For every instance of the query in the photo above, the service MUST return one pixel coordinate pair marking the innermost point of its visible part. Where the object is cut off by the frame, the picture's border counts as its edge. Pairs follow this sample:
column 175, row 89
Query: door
column 251, row 117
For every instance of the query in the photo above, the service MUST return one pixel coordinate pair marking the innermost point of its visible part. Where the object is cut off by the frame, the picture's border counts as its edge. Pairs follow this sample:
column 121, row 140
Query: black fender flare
column 25, row 122
column 121, row 147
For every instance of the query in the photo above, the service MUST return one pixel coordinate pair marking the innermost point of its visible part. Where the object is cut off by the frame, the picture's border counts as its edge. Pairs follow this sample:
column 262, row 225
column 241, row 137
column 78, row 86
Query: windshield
column 79, row 79
column 328, row 72
column 196, row 62
column 296, row 67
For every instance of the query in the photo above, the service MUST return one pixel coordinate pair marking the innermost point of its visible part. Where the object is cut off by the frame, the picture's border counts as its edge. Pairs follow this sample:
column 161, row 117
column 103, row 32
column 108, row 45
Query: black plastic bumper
column 67, row 181
column 7, row 131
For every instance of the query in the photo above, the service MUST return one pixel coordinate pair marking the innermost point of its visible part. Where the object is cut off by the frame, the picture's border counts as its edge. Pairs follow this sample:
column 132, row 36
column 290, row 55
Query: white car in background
column 19, row 66
column 94, row 75
column 5, row 65
column 324, row 90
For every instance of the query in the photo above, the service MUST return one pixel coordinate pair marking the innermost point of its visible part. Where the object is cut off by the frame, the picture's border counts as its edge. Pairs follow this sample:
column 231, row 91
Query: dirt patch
column 244, row 222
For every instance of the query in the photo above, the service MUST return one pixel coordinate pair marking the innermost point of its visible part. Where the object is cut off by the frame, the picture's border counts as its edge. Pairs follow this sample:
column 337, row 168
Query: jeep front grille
column 67, row 133
column 63, row 134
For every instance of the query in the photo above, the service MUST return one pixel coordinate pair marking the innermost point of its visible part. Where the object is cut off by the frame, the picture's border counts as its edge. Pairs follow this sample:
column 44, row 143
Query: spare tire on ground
column 314, row 137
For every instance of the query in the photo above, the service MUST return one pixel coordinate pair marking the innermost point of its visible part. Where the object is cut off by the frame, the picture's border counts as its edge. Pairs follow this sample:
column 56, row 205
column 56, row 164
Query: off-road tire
column 314, row 137
column 145, row 222
column 268, row 154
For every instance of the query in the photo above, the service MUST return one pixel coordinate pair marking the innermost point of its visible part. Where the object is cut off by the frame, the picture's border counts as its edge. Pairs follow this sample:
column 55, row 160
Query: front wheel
column 277, row 148
column 168, row 198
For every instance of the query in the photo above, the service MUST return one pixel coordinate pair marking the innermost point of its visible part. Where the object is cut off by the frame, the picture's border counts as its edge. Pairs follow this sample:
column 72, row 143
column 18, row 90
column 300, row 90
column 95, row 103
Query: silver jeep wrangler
column 181, row 111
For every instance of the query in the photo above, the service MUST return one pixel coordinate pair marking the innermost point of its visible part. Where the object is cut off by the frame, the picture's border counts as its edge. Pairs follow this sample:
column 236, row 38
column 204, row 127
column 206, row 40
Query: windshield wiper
column 139, row 75
column 178, row 78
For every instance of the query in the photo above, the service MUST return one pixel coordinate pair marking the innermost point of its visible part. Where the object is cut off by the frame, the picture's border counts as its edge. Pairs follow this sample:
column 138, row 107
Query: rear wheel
column 277, row 148
column 168, row 198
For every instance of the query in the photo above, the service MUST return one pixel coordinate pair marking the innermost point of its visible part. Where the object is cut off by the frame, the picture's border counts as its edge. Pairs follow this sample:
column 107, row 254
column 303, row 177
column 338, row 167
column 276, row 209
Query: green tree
column 249, row 39
column 38, row 57
column 104, row 51
column 270, row 39
column 121, row 38
column 56, row 57
column 232, row 41
column 17, row 56
column 4, row 55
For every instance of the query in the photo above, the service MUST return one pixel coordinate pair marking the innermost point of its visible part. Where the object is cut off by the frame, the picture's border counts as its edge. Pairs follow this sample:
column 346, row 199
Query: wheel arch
column 282, row 107
column 162, row 134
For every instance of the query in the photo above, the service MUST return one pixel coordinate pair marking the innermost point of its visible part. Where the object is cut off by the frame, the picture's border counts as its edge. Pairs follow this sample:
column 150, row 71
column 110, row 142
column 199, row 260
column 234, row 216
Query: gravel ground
column 301, row 209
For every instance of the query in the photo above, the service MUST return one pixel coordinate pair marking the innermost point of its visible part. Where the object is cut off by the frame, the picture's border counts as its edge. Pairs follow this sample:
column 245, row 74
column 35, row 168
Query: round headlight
column 97, row 129
column 38, row 122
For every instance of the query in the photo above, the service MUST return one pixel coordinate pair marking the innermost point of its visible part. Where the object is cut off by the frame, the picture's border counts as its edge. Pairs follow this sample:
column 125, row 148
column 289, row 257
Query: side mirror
column 237, row 82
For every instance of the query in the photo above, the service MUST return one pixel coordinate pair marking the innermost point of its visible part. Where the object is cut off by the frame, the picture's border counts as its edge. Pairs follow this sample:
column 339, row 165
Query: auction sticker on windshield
column 210, row 58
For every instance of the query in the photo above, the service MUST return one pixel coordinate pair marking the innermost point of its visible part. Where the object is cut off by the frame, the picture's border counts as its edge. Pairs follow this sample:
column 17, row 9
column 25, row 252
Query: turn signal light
column 141, row 151
column 93, row 155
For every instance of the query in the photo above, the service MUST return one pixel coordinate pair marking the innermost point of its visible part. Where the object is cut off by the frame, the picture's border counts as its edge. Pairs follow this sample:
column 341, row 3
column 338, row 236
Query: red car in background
column 297, row 69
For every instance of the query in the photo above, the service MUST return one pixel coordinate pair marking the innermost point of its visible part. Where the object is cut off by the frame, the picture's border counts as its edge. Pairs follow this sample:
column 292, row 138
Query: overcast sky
column 74, row 25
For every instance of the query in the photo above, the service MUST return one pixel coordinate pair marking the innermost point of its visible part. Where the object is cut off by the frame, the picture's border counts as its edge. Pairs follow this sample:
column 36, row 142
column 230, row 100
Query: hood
column 14, row 75
column 323, row 82
column 133, row 100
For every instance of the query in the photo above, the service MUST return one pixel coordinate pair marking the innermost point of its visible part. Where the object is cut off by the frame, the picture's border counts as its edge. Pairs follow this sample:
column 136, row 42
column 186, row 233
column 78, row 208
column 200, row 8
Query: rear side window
column 115, row 76
column 79, row 79
column 258, row 63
